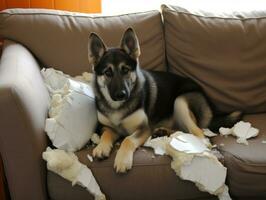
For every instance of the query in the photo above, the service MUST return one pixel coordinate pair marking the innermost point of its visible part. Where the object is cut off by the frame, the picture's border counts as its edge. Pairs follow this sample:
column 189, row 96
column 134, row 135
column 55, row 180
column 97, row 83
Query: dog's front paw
column 102, row 150
column 123, row 161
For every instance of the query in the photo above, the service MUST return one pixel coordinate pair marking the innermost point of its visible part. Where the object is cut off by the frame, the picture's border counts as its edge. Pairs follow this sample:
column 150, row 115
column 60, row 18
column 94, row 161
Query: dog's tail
column 225, row 120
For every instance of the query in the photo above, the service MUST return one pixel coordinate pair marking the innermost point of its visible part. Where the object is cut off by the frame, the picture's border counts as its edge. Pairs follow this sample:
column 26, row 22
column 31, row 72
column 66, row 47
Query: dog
column 134, row 103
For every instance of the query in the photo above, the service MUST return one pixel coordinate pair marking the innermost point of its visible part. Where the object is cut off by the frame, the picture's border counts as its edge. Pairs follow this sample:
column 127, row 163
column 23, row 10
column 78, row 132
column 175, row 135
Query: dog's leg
column 185, row 118
column 104, row 148
column 124, row 156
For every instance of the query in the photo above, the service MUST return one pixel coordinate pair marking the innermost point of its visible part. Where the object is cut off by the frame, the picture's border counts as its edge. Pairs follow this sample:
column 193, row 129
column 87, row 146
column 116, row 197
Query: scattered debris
column 188, row 143
column 263, row 141
column 221, row 144
column 158, row 144
column 192, row 160
column 207, row 132
column 85, row 77
column 90, row 157
column 241, row 130
column 95, row 138
column 67, row 165
column 225, row 131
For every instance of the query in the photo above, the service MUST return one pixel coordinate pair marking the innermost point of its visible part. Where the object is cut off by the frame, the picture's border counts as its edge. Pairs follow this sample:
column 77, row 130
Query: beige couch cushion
column 59, row 39
column 225, row 52
column 246, row 164
column 151, row 178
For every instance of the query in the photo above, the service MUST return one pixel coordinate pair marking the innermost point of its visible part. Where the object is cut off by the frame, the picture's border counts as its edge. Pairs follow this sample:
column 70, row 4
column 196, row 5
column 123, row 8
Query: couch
column 223, row 51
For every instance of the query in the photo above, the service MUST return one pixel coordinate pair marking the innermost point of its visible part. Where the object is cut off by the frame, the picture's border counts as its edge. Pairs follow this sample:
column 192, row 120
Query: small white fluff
column 263, row 141
column 85, row 77
column 207, row 132
column 242, row 131
column 90, row 157
column 225, row 131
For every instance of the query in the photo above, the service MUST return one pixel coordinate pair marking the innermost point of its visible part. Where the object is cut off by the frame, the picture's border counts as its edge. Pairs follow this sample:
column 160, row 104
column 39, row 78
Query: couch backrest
column 60, row 39
column 224, row 51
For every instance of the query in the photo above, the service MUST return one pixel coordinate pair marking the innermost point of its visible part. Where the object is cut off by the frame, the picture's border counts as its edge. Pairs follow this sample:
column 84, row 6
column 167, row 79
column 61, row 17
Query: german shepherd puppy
column 132, row 102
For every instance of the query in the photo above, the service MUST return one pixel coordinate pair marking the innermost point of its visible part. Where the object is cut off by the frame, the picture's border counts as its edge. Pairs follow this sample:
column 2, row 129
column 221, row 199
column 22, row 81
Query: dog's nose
column 121, row 95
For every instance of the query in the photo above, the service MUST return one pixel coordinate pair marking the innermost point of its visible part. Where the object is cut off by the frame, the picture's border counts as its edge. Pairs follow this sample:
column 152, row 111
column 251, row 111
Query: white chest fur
column 130, row 122
column 113, row 119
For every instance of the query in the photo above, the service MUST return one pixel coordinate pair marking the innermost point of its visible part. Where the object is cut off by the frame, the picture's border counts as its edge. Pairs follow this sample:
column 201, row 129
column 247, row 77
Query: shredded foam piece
column 90, row 157
column 158, row 144
column 188, row 143
column 66, row 165
column 242, row 131
column 85, row 77
column 207, row 132
column 225, row 131
column 95, row 138
column 263, row 141
column 192, row 160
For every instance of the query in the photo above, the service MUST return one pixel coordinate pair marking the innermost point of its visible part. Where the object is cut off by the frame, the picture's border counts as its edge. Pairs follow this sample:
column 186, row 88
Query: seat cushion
column 246, row 164
column 222, row 48
column 151, row 178
column 60, row 39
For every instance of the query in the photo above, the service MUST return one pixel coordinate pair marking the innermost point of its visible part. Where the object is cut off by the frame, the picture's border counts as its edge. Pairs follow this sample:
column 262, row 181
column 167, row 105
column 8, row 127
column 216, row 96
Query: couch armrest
column 23, row 109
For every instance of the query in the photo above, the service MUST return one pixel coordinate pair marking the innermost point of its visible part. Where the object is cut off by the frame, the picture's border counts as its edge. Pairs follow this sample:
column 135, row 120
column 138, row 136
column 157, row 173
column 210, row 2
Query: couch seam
column 80, row 16
column 241, row 160
column 167, row 9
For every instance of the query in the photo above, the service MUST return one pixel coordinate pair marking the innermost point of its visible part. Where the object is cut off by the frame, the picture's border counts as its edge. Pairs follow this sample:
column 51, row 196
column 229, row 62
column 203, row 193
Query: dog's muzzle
column 120, row 95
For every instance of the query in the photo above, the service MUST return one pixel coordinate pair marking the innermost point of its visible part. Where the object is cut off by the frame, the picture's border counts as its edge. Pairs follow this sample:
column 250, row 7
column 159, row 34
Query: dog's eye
column 124, row 70
column 108, row 72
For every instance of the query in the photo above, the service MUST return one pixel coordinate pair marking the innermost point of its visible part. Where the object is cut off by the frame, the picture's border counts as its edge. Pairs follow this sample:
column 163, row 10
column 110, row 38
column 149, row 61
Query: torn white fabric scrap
column 242, row 131
column 188, row 143
column 54, row 79
column 72, row 122
column 207, row 132
column 207, row 172
column 193, row 161
column 67, row 165
column 158, row 144
column 225, row 194
column 85, row 77
column 225, row 131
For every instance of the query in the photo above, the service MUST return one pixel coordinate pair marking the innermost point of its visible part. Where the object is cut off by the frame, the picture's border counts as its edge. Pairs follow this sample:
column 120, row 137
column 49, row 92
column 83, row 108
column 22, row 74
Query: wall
column 87, row 6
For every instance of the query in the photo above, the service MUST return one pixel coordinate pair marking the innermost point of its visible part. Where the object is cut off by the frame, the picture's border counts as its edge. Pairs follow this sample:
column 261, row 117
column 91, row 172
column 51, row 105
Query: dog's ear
column 96, row 49
column 130, row 43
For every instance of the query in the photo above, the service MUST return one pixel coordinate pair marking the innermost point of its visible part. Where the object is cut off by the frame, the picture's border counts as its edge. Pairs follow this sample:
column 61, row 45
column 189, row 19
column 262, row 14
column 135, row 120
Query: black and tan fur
column 133, row 103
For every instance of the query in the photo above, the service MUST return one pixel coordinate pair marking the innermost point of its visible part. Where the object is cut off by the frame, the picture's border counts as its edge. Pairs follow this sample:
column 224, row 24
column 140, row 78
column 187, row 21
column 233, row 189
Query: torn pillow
column 72, row 111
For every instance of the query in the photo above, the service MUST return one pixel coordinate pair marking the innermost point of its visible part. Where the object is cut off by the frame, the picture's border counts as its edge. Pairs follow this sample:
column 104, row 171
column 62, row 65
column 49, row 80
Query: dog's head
column 115, row 69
